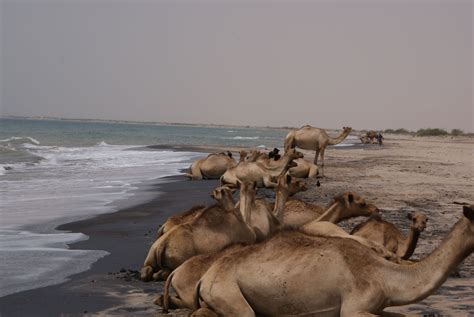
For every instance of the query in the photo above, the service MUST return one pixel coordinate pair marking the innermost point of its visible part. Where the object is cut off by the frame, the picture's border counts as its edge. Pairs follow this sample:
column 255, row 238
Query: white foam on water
column 69, row 183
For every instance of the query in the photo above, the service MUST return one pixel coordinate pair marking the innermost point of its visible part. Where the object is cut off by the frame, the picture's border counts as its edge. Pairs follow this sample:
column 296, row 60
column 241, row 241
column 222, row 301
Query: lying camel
column 213, row 229
column 387, row 234
column 212, row 166
column 294, row 274
column 192, row 213
column 257, row 172
column 344, row 206
column 186, row 276
column 310, row 138
column 304, row 169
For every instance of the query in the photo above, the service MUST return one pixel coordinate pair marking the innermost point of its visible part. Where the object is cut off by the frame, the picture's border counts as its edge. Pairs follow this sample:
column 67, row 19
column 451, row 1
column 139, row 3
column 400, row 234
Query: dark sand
column 126, row 235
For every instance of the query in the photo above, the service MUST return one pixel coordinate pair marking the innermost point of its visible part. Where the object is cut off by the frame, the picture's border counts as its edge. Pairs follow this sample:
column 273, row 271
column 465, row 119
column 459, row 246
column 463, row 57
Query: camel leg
column 230, row 303
column 315, row 161
column 204, row 312
column 322, row 162
column 174, row 302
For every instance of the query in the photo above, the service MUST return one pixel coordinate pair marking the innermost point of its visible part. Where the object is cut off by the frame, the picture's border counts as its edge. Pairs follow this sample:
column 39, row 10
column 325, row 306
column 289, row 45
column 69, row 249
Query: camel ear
column 350, row 197
column 468, row 212
column 410, row 216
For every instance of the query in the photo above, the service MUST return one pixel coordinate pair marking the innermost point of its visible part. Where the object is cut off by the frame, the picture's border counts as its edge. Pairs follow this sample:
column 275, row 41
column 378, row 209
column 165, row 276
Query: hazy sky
column 367, row 64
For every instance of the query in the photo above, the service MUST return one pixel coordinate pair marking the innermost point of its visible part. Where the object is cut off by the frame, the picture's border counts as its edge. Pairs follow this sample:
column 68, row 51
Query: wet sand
column 406, row 174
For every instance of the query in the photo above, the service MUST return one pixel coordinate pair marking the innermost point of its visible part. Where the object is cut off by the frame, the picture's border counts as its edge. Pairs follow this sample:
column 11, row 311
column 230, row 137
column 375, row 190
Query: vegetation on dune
column 398, row 131
column 457, row 132
column 431, row 132
column 427, row 132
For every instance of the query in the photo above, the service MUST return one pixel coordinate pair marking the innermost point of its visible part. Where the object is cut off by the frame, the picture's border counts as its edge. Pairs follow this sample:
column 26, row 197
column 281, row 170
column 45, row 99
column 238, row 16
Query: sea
column 58, row 171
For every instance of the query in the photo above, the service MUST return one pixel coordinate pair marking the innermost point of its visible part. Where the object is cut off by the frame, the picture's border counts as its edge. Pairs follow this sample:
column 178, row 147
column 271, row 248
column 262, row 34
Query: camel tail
column 166, row 292
column 152, row 260
column 197, row 295
column 195, row 171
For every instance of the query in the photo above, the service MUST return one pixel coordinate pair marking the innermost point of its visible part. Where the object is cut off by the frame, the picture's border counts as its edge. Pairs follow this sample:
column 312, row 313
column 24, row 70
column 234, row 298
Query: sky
column 366, row 64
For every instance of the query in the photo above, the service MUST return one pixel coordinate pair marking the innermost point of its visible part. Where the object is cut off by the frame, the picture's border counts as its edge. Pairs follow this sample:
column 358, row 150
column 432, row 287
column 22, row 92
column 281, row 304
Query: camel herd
column 252, row 257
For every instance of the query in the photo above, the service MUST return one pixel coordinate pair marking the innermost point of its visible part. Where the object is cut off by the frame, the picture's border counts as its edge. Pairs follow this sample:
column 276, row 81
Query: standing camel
column 310, row 138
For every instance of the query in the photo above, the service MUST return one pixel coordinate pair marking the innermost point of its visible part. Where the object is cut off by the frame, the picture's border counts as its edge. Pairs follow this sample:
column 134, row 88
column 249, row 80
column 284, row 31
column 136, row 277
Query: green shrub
column 457, row 132
column 431, row 132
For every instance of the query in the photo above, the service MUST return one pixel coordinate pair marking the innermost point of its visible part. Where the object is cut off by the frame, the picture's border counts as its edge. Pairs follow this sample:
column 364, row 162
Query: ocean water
column 54, row 172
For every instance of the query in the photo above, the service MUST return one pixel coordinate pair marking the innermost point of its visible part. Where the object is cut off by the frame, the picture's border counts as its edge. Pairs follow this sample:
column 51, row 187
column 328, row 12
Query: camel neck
column 406, row 284
column 332, row 214
column 339, row 139
column 409, row 244
column 279, row 208
column 247, row 200
column 227, row 203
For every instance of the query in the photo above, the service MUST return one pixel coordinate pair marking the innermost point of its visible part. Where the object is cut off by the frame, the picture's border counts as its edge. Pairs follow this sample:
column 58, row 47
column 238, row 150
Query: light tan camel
column 256, row 172
column 212, row 166
column 304, row 169
column 294, row 274
column 344, row 206
column 310, row 138
column 192, row 213
column 386, row 233
column 212, row 230
column 188, row 274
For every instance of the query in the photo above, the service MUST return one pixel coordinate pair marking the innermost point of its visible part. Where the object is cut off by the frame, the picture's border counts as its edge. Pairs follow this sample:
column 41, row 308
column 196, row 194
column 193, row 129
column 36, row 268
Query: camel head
column 419, row 220
column 223, row 195
column 346, row 130
column 243, row 155
column 293, row 154
column 355, row 205
column 297, row 186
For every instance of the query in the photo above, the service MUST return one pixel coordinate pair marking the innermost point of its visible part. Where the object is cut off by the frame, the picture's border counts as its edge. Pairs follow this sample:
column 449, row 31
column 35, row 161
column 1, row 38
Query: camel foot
column 161, row 275
column 203, row 312
column 146, row 273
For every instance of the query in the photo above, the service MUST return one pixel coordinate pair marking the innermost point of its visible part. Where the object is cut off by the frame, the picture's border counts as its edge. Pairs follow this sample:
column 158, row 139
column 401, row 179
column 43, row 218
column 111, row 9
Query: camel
column 257, row 172
column 304, row 169
column 344, row 206
column 212, row 166
column 188, row 274
column 192, row 213
column 295, row 274
column 310, row 138
column 387, row 234
column 213, row 229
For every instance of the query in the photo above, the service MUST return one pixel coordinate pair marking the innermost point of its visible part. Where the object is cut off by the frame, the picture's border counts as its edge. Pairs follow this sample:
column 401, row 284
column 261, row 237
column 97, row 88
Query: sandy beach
column 430, row 174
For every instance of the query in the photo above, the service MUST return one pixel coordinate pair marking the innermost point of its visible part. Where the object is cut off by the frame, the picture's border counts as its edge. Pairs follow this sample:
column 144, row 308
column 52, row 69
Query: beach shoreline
column 126, row 235
column 404, row 175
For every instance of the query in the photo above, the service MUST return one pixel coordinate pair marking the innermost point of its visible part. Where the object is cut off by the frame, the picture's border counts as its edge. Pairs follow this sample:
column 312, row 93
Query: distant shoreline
column 213, row 125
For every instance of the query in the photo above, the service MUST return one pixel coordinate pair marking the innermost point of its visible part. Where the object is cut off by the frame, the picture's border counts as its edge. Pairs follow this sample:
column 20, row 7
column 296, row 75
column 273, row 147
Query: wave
column 243, row 138
column 18, row 139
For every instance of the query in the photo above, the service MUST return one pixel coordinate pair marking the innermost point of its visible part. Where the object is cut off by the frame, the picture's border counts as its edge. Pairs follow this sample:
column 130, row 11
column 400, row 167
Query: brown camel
column 383, row 232
column 212, row 166
column 188, row 274
column 310, row 138
column 257, row 172
column 294, row 274
column 212, row 230
column 344, row 206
